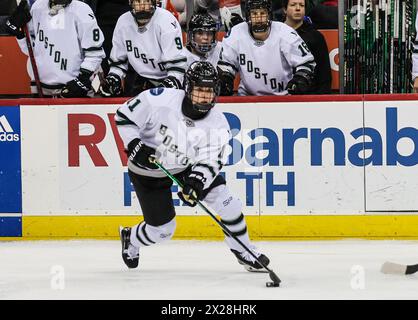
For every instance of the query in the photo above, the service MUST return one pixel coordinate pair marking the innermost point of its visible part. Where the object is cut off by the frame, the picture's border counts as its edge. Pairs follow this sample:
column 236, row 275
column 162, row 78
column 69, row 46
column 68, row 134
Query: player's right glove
column 139, row 153
column 19, row 18
column 111, row 86
column 301, row 83
column 192, row 188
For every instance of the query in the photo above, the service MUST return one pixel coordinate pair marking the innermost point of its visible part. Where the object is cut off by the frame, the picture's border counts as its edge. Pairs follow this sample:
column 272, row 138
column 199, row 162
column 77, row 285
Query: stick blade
column 393, row 268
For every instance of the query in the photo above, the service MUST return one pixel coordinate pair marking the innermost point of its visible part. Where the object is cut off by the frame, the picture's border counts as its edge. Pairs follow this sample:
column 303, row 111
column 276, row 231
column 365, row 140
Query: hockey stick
column 395, row 268
column 273, row 276
column 33, row 63
column 32, row 58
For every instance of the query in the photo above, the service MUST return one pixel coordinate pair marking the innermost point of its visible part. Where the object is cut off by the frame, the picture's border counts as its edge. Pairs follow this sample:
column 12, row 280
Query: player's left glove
column 171, row 82
column 79, row 87
column 192, row 188
column 19, row 18
column 301, row 83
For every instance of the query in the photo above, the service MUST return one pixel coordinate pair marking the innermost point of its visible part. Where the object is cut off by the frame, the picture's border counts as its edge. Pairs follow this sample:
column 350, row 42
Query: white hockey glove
column 229, row 19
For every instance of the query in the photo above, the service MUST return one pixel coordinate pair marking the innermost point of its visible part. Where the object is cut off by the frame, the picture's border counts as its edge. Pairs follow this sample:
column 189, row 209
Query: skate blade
column 251, row 269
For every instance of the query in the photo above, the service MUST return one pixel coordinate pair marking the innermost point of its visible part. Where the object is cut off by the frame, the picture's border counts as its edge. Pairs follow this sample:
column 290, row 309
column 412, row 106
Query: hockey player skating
column 184, row 131
column 67, row 44
column 270, row 56
column 201, row 39
column 149, row 39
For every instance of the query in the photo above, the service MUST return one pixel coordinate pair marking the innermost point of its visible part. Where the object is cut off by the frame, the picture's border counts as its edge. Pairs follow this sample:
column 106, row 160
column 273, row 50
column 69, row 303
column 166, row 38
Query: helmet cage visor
column 198, row 45
column 261, row 12
column 202, row 93
column 142, row 10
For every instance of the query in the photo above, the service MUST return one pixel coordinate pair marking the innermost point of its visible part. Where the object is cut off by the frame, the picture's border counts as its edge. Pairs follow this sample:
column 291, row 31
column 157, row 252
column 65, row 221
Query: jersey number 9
column 178, row 43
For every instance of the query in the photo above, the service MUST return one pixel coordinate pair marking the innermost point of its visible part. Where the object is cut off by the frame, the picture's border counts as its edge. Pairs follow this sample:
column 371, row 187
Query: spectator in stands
column 324, row 13
column 67, row 51
column 278, row 12
column 107, row 14
column 269, row 56
column 295, row 14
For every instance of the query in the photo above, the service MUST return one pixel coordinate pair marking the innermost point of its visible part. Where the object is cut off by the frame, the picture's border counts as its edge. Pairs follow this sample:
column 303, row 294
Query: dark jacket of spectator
column 7, row 7
column 316, row 43
column 107, row 14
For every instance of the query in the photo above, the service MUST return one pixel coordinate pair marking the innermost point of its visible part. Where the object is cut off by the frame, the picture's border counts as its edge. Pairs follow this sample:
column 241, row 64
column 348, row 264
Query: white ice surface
column 197, row 270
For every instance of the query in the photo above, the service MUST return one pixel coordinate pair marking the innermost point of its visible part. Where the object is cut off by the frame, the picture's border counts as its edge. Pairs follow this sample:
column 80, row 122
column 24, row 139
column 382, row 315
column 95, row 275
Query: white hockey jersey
column 64, row 43
column 154, row 51
column 415, row 52
column 265, row 67
column 212, row 56
column 156, row 118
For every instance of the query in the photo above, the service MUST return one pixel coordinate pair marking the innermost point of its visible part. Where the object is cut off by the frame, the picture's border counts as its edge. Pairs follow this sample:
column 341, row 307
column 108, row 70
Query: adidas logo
column 6, row 131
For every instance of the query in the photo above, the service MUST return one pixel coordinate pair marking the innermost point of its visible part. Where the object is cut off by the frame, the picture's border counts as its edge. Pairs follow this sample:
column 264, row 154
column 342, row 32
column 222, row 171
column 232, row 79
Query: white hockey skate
column 248, row 261
column 130, row 253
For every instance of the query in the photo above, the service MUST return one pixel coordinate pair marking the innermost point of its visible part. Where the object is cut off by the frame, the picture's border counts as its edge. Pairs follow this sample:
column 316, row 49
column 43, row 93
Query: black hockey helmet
column 258, row 4
column 201, row 21
column 142, row 17
column 200, row 74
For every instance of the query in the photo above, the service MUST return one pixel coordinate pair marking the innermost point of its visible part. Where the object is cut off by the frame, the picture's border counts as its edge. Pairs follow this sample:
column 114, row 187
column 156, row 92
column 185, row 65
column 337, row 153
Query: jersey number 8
column 96, row 34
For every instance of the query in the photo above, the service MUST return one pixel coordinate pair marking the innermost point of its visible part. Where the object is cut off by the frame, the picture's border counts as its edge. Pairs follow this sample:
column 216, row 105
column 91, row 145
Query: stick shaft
column 32, row 58
column 224, row 228
column 33, row 62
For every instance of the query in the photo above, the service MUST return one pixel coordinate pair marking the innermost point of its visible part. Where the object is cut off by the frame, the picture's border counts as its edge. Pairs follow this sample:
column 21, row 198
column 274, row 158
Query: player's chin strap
column 276, row 280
